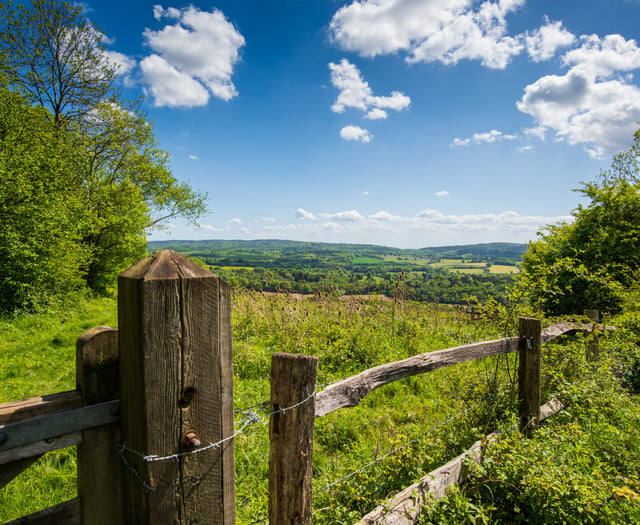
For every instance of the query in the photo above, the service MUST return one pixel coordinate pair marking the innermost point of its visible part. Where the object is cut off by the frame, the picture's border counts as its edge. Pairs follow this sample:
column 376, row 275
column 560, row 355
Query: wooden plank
column 45, row 428
column 40, row 447
column 97, row 382
column 349, row 392
column 67, row 513
column 15, row 411
column 11, row 470
column 293, row 383
column 175, row 379
column 405, row 507
column 529, row 364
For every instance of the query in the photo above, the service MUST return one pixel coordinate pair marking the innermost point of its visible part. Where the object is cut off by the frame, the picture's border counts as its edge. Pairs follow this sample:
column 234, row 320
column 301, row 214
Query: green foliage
column 337, row 269
column 582, row 465
column 593, row 262
column 87, row 165
column 55, row 57
column 41, row 209
column 129, row 189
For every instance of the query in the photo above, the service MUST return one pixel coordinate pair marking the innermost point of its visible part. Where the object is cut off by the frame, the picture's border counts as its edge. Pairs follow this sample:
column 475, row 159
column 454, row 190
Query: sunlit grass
column 37, row 356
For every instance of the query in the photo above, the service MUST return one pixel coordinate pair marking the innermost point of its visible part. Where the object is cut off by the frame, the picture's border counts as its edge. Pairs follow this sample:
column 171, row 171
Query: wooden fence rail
column 152, row 413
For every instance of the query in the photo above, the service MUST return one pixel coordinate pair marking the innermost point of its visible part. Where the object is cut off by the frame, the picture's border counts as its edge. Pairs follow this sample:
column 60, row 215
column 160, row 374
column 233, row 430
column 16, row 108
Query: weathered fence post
column 176, row 393
column 529, row 360
column 593, row 348
column 99, row 466
column 293, row 383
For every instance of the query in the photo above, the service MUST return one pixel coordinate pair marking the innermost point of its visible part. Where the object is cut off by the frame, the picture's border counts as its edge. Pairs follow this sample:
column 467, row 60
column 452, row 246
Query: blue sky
column 406, row 123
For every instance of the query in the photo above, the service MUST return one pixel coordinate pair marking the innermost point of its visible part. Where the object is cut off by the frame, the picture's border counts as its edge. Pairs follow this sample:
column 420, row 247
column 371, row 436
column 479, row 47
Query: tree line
column 83, row 180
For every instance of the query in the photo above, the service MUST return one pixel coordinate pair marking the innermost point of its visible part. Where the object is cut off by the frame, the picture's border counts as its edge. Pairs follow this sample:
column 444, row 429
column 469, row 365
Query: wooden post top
column 166, row 264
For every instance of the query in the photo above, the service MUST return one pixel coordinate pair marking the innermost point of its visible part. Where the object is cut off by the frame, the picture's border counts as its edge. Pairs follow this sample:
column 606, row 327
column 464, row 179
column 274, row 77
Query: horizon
column 386, row 122
column 178, row 241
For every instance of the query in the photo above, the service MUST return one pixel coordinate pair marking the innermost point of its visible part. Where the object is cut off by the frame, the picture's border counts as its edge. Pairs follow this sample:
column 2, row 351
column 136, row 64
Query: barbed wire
column 397, row 449
column 250, row 418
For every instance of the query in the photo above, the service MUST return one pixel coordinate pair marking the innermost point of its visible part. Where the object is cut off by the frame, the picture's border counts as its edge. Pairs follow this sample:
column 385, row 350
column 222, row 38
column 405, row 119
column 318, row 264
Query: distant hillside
column 447, row 274
column 486, row 251
column 281, row 248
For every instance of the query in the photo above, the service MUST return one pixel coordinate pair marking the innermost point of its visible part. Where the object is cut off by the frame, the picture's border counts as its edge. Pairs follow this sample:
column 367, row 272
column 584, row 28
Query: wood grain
column 350, row 391
column 293, row 381
column 175, row 377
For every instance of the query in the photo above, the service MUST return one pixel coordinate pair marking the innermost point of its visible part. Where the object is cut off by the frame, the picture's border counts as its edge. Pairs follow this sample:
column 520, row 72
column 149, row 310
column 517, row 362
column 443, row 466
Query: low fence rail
column 152, row 414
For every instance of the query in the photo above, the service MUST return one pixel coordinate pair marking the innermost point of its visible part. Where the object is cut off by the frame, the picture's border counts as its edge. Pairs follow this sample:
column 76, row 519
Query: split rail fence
column 152, row 413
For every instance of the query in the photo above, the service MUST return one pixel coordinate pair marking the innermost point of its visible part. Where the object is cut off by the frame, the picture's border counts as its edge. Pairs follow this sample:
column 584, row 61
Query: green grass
column 38, row 352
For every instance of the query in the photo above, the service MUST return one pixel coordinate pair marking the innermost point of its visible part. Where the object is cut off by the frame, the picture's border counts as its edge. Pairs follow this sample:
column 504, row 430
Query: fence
column 152, row 414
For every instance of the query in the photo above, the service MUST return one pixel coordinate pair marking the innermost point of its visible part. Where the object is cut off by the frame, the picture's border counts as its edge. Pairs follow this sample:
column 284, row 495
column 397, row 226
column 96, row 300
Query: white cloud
column 429, row 30
column 356, row 133
column 383, row 216
column 486, row 137
column 376, row 114
column 201, row 48
column 543, row 43
column 123, row 63
column 304, row 214
column 211, row 228
column 235, row 220
column 428, row 228
column 193, row 157
column 537, row 131
column 593, row 104
column 351, row 215
column 171, row 87
column 356, row 93
column 601, row 58
column 529, row 147
column 442, row 193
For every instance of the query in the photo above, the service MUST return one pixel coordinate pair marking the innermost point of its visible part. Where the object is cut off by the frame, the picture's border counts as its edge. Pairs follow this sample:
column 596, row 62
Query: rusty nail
column 191, row 440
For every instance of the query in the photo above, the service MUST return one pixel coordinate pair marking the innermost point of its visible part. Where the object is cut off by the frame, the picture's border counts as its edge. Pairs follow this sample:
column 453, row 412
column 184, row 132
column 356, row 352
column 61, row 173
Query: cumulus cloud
column 304, row 214
column 356, row 133
column 193, row 157
column 594, row 104
column 486, row 137
column 429, row 227
column 543, row 43
column 383, row 216
column 442, row 193
column 192, row 58
column 235, row 220
column 356, row 93
column 171, row 87
column 123, row 63
column 351, row 215
column 430, row 30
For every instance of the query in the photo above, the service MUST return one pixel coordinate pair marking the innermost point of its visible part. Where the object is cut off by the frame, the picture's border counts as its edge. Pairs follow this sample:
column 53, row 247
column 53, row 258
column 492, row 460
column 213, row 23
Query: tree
column 41, row 212
column 130, row 188
column 57, row 59
column 593, row 262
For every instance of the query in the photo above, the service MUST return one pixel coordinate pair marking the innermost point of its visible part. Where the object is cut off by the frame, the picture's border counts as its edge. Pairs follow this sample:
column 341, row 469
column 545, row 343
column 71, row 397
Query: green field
column 37, row 357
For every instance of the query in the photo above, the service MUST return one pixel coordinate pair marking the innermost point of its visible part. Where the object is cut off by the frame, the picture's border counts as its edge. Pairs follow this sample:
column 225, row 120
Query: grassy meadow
column 418, row 423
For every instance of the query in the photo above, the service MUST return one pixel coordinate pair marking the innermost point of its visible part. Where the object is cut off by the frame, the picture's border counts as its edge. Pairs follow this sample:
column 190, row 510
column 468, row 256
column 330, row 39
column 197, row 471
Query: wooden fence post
column 293, row 383
column 176, row 387
column 529, row 360
column 99, row 465
column 593, row 348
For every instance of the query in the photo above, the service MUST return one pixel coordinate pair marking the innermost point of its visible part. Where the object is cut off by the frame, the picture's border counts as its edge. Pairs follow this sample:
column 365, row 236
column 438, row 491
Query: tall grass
column 37, row 356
